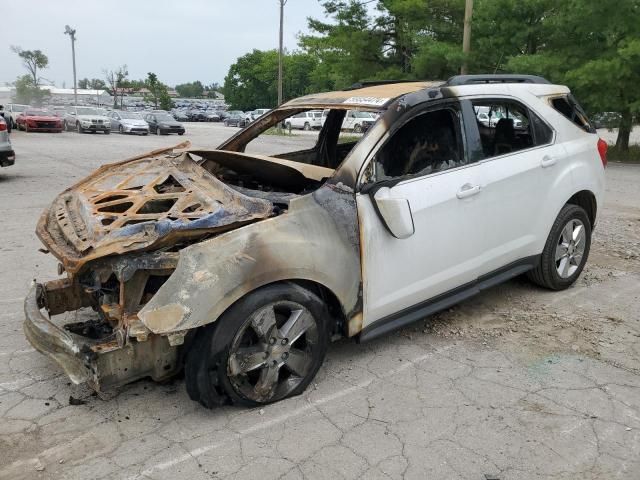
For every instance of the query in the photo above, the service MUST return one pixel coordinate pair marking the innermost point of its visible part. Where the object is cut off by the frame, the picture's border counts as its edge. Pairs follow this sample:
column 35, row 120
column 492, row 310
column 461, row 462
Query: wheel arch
column 587, row 200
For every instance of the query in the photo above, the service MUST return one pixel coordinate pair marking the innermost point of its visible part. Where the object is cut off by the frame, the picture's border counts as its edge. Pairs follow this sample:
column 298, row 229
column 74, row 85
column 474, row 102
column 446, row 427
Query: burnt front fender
column 316, row 239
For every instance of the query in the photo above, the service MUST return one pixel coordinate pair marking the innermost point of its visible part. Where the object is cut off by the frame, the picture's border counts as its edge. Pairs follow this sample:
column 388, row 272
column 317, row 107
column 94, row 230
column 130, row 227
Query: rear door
column 517, row 172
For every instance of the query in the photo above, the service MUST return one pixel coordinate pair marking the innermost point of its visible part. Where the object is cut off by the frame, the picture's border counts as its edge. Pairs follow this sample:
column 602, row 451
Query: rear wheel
column 268, row 346
column 566, row 250
column 307, row 127
column 357, row 129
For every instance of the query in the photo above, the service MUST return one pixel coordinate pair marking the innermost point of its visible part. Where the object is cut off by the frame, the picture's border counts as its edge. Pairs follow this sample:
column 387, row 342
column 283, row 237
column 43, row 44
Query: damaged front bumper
column 50, row 339
column 103, row 363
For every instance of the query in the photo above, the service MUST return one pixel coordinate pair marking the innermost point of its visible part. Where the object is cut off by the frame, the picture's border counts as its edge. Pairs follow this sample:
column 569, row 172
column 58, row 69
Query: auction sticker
column 375, row 101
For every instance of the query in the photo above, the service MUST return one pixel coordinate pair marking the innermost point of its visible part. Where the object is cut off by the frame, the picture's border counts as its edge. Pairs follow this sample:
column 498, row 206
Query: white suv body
column 246, row 265
column 305, row 120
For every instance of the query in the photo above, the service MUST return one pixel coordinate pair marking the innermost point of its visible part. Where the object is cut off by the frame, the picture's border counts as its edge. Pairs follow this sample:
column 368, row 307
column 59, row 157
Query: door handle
column 467, row 190
column 548, row 161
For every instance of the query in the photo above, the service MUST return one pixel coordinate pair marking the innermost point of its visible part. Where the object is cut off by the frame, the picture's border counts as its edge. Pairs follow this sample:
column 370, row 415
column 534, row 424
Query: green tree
column 33, row 61
column 252, row 79
column 158, row 93
column 94, row 84
column 27, row 93
column 599, row 60
column 190, row 90
column 116, row 82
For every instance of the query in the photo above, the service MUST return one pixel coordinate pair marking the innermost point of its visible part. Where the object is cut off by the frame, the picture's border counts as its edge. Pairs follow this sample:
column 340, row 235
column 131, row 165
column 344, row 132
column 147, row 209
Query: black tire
column 120, row 129
column 180, row 133
column 357, row 129
column 107, row 132
column 158, row 131
column 78, row 128
column 307, row 127
column 287, row 125
column 208, row 378
column 546, row 273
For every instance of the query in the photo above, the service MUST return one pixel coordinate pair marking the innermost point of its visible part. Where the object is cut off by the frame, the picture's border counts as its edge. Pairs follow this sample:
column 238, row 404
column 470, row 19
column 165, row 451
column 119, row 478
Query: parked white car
column 13, row 111
column 358, row 121
column 7, row 155
column 311, row 120
column 240, row 267
column 87, row 119
column 258, row 112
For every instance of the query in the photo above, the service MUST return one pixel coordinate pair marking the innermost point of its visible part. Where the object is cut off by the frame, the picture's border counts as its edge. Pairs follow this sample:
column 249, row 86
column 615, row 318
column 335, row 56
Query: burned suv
column 240, row 267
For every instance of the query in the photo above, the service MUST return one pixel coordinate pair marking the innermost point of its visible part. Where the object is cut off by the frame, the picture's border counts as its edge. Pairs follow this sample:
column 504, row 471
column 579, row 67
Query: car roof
column 368, row 96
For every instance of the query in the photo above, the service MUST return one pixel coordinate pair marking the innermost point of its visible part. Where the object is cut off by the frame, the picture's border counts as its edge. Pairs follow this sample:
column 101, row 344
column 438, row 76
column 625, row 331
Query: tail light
column 3, row 126
column 602, row 150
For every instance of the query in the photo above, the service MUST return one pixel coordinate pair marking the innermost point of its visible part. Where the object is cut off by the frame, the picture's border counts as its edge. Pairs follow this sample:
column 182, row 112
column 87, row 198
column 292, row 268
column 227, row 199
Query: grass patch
column 630, row 156
column 282, row 133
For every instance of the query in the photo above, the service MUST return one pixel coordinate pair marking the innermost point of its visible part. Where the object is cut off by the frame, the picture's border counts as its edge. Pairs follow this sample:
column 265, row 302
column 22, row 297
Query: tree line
column 593, row 47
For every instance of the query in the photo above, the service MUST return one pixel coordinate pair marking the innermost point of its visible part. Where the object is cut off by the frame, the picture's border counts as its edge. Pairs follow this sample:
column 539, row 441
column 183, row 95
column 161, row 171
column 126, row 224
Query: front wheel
column 78, row 128
column 307, row 127
column 158, row 132
column 357, row 129
column 120, row 129
column 268, row 346
column 566, row 250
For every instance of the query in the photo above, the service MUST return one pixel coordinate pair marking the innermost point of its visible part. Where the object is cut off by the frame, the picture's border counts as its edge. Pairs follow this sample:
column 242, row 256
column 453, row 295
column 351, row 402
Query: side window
column 428, row 143
column 568, row 107
column 508, row 126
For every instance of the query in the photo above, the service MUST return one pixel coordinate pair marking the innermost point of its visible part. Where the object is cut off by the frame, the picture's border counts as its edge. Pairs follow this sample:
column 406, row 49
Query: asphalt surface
column 517, row 383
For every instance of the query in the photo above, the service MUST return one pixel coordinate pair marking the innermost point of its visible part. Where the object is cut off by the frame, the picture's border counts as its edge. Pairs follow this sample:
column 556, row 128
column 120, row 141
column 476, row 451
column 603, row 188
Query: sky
column 181, row 41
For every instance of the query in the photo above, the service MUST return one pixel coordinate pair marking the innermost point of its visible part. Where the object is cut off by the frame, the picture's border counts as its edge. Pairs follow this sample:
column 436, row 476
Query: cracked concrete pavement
column 518, row 383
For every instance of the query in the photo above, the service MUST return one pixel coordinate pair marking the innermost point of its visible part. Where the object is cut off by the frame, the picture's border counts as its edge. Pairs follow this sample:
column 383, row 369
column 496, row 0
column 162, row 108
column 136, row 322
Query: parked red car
column 39, row 120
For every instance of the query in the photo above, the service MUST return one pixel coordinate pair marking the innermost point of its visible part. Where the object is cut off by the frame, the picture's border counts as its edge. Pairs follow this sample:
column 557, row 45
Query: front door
column 425, row 163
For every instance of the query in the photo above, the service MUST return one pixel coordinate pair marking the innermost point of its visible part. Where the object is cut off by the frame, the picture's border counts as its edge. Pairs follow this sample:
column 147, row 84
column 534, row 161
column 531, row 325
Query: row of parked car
column 90, row 119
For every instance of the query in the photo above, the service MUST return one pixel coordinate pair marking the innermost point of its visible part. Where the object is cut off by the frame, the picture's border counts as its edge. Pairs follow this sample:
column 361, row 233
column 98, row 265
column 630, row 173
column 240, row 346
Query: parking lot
column 516, row 383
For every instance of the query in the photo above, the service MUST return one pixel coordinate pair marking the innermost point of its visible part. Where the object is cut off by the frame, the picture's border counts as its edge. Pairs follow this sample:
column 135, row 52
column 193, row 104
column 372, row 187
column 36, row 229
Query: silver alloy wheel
column 273, row 351
column 570, row 248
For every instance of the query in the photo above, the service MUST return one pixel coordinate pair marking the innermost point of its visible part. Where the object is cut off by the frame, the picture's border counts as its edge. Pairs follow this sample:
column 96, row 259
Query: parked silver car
column 128, row 122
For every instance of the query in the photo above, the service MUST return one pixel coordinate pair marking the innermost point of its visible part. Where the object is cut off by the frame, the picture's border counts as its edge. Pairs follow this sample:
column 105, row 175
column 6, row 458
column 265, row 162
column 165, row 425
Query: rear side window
column 506, row 126
column 572, row 110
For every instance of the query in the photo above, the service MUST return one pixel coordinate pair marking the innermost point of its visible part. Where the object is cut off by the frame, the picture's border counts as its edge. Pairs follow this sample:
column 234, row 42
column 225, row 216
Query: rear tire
column 566, row 250
column 246, row 356
column 307, row 127
column 357, row 129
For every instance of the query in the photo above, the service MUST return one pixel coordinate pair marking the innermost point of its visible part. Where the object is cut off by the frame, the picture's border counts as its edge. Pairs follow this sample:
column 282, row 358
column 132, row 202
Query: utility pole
column 280, row 52
column 72, row 33
column 466, row 37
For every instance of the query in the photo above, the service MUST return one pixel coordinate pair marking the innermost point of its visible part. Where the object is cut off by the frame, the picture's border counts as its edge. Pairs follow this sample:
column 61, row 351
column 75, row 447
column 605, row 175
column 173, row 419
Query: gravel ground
column 517, row 383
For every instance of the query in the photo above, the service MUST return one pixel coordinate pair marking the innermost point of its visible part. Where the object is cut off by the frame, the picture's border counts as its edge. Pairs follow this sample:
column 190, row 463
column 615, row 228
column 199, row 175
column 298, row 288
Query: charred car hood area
column 148, row 203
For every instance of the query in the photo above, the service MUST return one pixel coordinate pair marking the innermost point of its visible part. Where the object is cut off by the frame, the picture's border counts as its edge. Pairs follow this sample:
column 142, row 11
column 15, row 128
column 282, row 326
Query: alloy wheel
column 570, row 248
column 273, row 351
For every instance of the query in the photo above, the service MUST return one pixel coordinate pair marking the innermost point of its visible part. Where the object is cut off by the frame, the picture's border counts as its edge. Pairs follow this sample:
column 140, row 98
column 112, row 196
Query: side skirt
column 447, row 299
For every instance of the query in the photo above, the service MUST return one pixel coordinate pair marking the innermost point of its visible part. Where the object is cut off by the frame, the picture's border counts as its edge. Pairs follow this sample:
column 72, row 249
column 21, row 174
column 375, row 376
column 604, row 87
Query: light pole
column 282, row 4
column 72, row 33
column 466, row 36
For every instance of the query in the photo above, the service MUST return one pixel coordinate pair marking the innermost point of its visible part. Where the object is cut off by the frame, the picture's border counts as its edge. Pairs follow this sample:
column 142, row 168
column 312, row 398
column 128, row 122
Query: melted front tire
column 266, row 347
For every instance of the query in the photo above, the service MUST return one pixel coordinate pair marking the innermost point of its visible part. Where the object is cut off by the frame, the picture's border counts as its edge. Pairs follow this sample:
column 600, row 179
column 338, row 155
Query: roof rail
column 373, row 83
column 502, row 78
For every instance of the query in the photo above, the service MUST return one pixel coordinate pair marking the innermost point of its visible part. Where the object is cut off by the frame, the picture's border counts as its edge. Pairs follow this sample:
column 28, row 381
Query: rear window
column 571, row 109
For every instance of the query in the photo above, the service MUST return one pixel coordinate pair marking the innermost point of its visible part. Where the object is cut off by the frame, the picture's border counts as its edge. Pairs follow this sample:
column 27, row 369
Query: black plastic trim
column 447, row 299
